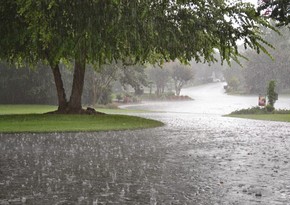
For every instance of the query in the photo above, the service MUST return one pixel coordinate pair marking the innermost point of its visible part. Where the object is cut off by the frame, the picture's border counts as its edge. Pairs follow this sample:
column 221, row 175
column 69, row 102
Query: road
column 198, row 157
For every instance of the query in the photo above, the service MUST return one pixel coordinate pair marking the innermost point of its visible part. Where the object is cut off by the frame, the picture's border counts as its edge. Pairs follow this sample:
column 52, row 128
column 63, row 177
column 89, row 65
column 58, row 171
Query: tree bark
column 75, row 102
column 94, row 92
column 61, row 96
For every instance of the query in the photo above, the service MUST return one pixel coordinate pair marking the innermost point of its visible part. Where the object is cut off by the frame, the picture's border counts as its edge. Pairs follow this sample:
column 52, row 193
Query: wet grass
column 72, row 123
column 26, row 109
column 39, row 109
column 261, row 113
column 29, row 118
column 269, row 117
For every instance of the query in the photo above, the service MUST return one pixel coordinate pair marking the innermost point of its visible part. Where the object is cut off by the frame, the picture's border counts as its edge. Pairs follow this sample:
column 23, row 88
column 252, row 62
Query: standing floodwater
column 199, row 157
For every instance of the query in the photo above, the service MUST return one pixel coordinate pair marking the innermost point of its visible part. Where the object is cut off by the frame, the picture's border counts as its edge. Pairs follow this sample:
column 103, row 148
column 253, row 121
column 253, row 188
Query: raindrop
column 122, row 193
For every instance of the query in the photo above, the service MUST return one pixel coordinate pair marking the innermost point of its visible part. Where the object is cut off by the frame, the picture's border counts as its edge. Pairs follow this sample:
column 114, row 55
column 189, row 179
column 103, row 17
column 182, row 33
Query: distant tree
column 234, row 76
column 23, row 85
column 99, row 83
column 160, row 77
column 180, row 74
column 101, row 31
column 134, row 76
column 260, row 69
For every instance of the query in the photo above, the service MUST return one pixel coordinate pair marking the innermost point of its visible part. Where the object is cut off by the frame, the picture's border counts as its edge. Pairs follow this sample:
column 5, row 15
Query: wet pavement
column 198, row 157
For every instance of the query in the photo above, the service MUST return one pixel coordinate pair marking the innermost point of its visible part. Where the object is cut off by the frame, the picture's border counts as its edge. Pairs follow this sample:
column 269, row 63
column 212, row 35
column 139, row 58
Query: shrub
column 252, row 110
column 119, row 97
column 271, row 94
column 269, row 108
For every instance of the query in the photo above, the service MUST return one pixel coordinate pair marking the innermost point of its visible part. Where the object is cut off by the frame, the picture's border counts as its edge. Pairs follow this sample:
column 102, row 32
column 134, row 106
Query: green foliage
column 271, row 94
column 23, row 85
column 253, row 110
column 99, row 32
column 133, row 76
column 127, row 30
column 258, row 110
column 233, row 84
column 269, row 108
column 282, row 111
column 160, row 77
column 260, row 69
column 278, row 10
column 119, row 97
column 180, row 74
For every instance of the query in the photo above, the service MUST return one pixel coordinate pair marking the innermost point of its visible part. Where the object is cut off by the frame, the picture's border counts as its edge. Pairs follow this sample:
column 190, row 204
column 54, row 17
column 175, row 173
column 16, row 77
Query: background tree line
column 256, row 72
column 36, row 86
column 24, row 85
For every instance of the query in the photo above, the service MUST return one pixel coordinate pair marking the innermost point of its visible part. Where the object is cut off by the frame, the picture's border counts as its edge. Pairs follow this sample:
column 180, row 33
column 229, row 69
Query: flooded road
column 199, row 157
column 211, row 99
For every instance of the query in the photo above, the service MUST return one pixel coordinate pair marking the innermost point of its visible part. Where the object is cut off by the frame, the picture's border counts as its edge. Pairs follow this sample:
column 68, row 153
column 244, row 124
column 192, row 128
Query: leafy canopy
column 278, row 10
column 128, row 30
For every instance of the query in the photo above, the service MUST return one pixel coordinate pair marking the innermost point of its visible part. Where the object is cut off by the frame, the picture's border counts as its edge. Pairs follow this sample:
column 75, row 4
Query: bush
column 258, row 110
column 271, row 94
column 282, row 111
column 269, row 108
column 253, row 110
column 119, row 97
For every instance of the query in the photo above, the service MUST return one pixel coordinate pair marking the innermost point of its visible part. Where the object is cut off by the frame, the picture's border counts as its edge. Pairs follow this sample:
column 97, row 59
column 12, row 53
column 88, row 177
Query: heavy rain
column 197, row 158
column 183, row 66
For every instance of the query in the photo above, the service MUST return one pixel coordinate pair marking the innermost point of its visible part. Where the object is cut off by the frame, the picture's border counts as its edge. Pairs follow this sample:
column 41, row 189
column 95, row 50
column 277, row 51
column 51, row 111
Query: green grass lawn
column 270, row 117
column 39, row 109
column 26, row 109
column 29, row 118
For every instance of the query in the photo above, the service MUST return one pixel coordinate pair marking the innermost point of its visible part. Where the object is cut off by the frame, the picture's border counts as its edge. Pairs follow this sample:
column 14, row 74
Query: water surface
column 198, row 157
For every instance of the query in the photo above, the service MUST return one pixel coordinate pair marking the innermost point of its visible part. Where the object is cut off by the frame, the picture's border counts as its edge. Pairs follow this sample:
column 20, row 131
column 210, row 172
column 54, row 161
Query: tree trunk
column 178, row 86
column 177, row 91
column 75, row 102
column 94, row 91
column 61, row 96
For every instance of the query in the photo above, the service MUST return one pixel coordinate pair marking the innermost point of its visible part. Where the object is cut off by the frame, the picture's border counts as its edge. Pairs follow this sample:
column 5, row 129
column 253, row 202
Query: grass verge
column 26, row 109
column 258, row 113
column 28, row 118
column 39, row 109
column 269, row 117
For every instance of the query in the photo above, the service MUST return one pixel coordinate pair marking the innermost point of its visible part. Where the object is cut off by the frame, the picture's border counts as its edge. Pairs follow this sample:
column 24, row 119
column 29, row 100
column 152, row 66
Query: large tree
column 101, row 31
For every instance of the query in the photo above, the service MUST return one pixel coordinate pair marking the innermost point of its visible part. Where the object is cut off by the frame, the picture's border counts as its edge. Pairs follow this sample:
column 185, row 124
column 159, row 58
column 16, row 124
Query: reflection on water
column 197, row 158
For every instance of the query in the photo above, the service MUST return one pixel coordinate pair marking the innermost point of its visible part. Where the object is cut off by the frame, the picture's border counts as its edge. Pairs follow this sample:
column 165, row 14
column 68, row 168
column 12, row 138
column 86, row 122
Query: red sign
column 262, row 101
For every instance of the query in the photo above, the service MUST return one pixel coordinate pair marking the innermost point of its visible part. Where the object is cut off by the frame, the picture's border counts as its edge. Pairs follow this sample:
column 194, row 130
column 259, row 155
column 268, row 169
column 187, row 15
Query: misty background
column 114, row 82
